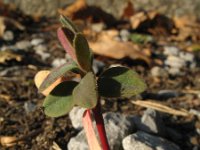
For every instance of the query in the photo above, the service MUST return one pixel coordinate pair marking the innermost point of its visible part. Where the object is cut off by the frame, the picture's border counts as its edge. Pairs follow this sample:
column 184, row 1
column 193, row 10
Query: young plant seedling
column 62, row 94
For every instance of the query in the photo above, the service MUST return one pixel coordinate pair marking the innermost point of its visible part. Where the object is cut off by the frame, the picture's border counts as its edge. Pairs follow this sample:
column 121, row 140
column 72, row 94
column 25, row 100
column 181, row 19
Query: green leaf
column 66, row 38
column 120, row 82
column 83, row 53
column 60, row 101
column 85, row 93
column 141, row 38
column 66, row 22
column 57, row 73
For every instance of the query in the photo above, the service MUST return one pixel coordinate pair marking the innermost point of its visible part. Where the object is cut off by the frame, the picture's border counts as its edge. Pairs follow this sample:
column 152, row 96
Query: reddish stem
column 100, row 126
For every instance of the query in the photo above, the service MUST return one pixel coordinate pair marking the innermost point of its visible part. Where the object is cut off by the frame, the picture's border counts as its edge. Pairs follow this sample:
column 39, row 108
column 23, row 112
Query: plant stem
column 100, row 126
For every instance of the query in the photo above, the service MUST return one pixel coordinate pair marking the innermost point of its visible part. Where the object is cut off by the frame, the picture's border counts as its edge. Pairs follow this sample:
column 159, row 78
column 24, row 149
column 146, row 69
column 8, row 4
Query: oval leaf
column 66, row 22
column 66, row 37
column 57, row 73
column 60, row 101
column 83, row 53
column 85, row 93
column 120, row 82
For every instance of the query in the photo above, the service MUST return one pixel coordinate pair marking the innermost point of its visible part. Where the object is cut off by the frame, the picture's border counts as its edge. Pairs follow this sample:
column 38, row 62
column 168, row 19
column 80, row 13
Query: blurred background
column 158, row 39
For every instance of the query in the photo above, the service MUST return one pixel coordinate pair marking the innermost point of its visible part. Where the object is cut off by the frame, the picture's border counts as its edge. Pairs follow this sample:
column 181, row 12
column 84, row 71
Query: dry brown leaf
column 5, row 97
column 187, row 27
column 106, row 45
column 160, row 107
column 8, row 56
column 140, row 17
column 8, row 141
column 72, row 9
column 2, row 26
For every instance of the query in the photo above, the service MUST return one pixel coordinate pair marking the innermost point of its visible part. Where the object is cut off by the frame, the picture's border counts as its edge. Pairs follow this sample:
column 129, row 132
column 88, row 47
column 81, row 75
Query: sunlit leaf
column 66, row 22
column 66, row 37
column 60, row 101
column 85, row 93
column 57, row 73
column 83, row 53
column 120, row 82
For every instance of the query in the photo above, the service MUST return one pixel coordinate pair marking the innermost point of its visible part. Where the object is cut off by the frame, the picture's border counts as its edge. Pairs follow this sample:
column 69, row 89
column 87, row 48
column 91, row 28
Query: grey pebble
column 8, row 35
column 151, row 122
column 124, row 34
column 75, row 116
column 144, row 141
column 58, row 62
column 158, row 72
column 24, row 44
column 37, row 41
column 171, row 50
column 29, row 107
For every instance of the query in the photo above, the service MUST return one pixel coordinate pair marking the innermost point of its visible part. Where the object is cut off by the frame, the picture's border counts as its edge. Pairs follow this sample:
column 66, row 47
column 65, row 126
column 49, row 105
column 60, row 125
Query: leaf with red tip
column 89, row 130
column 66, row 38
column 66, row 22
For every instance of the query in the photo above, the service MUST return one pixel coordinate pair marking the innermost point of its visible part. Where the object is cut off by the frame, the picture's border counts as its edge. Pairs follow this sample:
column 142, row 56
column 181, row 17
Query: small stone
column 166, row 94
column 29, row 107
column 124, row 34
column 174, row 71
column 44, row 55
column 158, row 72
column 175, row 62
column 78, row 142
column 117, row 127
column 37, row 41
column 171, row 50
column 40, row 47
column 23, row 44
column 98, row 27
column 8, row 36
column 76, row 115
column 187, row 56
column 58, row 62
column 151, row 122
column 144, row 141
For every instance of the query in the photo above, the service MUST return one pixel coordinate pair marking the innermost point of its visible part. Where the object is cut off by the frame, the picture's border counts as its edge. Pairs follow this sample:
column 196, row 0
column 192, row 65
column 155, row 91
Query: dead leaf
column 8, row 141
column 106, row 45
column 2, row 26
column 6, row 56
column 5, row 97
column 187, row 27
column 89, row 130
column 72, row 9
column 152, row 22
column 128, row 10
column 56, row 146
column 160, row 107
